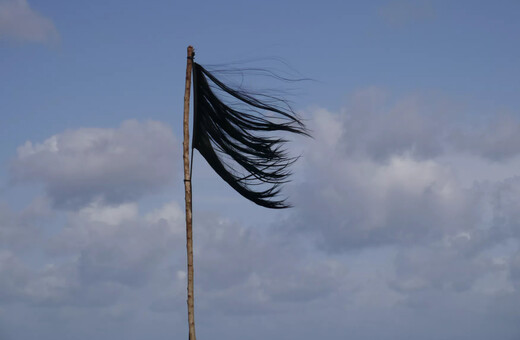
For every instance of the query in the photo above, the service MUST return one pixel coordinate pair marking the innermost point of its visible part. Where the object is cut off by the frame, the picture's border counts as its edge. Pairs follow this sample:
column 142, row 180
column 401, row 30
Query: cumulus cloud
column 18, row 21
column 391, row 222
column 393, row 175
column 100, row 254
column 374, row 184
column 105, row 253
column 365, row 204
column 382, row 173
column 244, row 271
column 114, row 165
column 377, row 126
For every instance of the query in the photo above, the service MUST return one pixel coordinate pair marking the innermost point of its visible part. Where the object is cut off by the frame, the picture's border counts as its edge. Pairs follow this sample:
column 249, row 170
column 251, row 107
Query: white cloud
column 112, row 165
column 355, row 203
column 170, row 214
column 391, row 172
column 241, row 270
column 110, row 215
column 409, row 237
column 18, row 21
column 442, row 200
column 128, row 268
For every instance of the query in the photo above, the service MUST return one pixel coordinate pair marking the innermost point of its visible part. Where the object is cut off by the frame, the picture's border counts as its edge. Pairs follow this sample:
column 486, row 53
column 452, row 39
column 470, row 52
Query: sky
column 406, row 217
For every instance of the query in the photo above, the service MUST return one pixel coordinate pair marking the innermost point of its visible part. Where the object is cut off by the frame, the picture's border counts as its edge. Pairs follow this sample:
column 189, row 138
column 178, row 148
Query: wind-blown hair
column 238, row 141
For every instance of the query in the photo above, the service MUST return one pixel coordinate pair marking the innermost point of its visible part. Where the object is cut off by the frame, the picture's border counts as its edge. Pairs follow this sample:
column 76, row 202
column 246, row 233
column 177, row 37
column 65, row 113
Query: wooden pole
column 187, row 190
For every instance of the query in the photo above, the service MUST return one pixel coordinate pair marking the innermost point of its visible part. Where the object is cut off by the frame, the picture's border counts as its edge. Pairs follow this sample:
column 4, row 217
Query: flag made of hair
column 243, row 143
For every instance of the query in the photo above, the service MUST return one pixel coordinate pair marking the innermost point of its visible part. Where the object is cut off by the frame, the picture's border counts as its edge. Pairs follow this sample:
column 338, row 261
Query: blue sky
column 406, row 221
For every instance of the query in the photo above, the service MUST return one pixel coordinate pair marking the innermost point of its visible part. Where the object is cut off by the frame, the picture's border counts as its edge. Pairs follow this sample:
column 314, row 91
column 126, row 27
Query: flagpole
column 187, row 190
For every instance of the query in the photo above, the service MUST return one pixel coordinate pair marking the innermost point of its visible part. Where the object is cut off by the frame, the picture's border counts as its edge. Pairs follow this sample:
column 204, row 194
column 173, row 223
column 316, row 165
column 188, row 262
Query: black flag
column 242, row 144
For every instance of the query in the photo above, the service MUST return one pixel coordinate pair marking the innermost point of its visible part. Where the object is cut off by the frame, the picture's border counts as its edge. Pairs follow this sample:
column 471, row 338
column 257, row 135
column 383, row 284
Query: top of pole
column 191, row 52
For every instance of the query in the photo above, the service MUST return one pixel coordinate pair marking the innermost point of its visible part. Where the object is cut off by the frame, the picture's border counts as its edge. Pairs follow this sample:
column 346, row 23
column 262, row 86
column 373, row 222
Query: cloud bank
column 406, row 225
column 80, row 166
